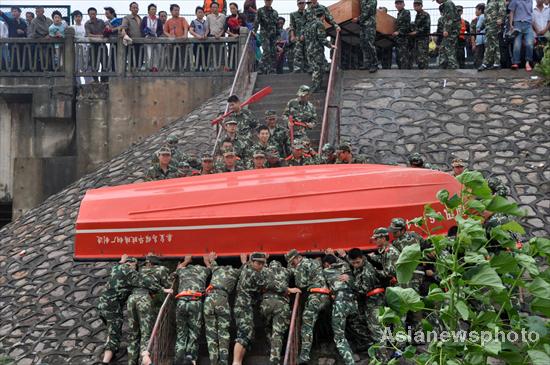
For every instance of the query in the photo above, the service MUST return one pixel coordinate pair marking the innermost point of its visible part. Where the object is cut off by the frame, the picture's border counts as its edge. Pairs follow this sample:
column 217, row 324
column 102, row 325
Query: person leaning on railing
column 151, row 27
column 39, row 27
column 94, row 29
column 17, row 27
column 234, row 21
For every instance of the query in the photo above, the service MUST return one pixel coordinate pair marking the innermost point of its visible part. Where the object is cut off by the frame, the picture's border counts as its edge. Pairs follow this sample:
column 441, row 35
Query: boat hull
column 309, row 208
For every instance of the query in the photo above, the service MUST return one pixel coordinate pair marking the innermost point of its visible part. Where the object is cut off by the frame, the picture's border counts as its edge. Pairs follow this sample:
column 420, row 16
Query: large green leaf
column 407, row 262
column 403, row 300
column 538, row 357
column 474, row 258
column 492, row 347
column 476, row 183
column 476, row 205
column 541, row 306
column 454, row 202
column 537, row 324
column 484, row 275
column 436, row 295
column 504, row 263
column 462, row 309
column 528, row 263
column 539, row 288
column 542, row 245
column 513, row 226
column 442, row 196
column 502, row 205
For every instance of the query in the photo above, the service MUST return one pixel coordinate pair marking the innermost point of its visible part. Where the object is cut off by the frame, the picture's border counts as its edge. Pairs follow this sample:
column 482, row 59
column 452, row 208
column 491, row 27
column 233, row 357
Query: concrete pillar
column 6, row 155
column 69, row 54
column 92, row 127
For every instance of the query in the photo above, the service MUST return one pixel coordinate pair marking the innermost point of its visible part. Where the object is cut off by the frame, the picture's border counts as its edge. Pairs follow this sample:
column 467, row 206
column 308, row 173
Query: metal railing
column 293, row 341
column 161, row 342
column 329, row 122
column 70, row 57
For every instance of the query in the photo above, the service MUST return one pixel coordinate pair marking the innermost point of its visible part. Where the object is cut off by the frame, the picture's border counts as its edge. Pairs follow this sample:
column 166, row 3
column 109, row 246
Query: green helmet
column 416, row 159
column 397, row 224
column 291, row 255
column 497, row 187
column 328, row 148
column 380, row 232
column 172, row 139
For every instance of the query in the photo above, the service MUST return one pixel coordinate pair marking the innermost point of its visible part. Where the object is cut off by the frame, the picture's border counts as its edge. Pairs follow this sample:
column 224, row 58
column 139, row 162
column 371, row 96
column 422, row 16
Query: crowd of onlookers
column 519, row 35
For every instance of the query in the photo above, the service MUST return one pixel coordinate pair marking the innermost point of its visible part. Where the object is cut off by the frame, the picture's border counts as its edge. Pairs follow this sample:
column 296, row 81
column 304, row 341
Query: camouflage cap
column 258, row 256
column 172, row 139
column 457, row 162
column 380, row 232
column 304, row 89
column 230, row 121
column 153, row 259
column 275, row 264
column 327, row 147
column 298, row 144
column 399, row 1
column 258, row 153
column 319, row 11
column 272, row 151
column 344, row 147
column 164, row 151
column 397, row 224
column 207, row 157
column 131, row 260
column 291, row 255
column 416, row 158
column 417, row 2
column 228, row 152
column 270, row 113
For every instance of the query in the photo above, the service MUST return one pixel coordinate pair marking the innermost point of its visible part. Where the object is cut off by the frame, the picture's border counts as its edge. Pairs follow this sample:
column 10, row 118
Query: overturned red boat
column 308, row 208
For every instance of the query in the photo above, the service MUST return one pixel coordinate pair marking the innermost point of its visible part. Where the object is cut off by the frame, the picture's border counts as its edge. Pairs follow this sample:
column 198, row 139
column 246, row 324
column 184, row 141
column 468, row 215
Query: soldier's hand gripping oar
column 253, row 99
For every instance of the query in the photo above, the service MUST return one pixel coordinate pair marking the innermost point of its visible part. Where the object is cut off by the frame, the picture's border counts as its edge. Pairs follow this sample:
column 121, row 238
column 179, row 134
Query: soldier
column 458, row 166
column 495, row 11
column 368, row 286
column 231, row 132
column 246, row 120
column 266, row 19
column 344, row 156
column 421, row 35
column 163, row 170
column 344, row 304
column 316, row 41
column 230, row 162
column 328, row 155
column 191, row 286
column 497, row 187
column 385, row 257
column 178, row 157
column 112, row 301
column 311, row 14
column 367, row 21
column 416, row 160
column 402, row 237
column 302, row 111
column 251, row 282
column 308, row 277
column 207, row 166
column 141, row 313
column 217, row 313
column 308, row 150
column 401, row 35
column 273, row 158
column 275, row 307
column 278, row 133
column 262, row 140
column 258, row 160
column 298, row 24
column 298, row 157
column 450, row 29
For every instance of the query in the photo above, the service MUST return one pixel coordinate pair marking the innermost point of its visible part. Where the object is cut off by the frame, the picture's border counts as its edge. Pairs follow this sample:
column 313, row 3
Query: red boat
column 308, row 208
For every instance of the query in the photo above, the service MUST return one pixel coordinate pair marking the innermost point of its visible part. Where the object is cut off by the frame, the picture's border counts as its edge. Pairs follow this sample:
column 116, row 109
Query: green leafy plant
column 487, row 283
column 543, row 68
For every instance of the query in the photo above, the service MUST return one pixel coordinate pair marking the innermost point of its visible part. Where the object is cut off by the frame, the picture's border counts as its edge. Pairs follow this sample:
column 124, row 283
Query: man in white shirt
column 541, row 18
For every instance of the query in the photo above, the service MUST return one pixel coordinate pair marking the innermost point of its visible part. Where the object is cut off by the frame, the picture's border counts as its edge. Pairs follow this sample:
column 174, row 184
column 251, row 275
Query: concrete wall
column 52, row 131
column 111, row 117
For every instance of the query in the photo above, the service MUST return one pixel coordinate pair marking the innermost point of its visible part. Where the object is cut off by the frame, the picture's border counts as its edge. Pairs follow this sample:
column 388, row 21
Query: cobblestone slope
column 497, row 121
column 47, row 301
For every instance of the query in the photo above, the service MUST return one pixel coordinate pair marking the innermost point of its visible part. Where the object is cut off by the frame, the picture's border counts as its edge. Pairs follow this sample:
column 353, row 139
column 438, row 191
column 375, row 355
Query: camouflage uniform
column 248, row 288
column 266, row 18
column 308, row 274
column 360, row 159
column 258, row 146
column 344, row 306
column 178, row 157
column 275, row 308
column 156, row 173
column 422, row 38
column 111, row 302
column 246, row 121
column 189, row 309
column 407, row 238
column 301, row 111
column 280, row 138
column 451, row 24
column 141, row 312
column 403, row 24
column 495, row 10
column 239, row 144
column 367, row 21
column 217, row 313
column 304, row 161
column 366, row 280
column 298, row 24
column 385, row 261
column 316, row 41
